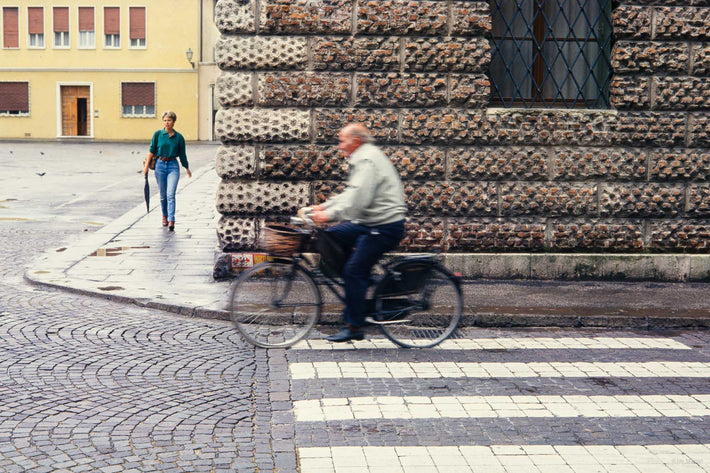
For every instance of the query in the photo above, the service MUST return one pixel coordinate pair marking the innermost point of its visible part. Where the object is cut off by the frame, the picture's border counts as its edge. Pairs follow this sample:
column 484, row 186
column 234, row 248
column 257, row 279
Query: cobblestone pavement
column 503, row 401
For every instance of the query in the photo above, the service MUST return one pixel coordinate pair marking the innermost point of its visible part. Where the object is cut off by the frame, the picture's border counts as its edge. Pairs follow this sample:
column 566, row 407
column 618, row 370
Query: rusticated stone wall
column 635, row 178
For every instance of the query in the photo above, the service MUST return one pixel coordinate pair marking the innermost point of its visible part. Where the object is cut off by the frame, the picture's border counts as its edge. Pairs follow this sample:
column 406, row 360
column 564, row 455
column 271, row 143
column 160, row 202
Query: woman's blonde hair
column 170, row 114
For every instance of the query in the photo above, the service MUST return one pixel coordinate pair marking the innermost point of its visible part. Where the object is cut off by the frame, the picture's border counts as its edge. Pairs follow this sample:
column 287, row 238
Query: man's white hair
column 359, row 132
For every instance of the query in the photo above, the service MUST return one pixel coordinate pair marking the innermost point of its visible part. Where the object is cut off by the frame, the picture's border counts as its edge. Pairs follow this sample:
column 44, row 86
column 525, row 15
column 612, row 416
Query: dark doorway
column 81, row 115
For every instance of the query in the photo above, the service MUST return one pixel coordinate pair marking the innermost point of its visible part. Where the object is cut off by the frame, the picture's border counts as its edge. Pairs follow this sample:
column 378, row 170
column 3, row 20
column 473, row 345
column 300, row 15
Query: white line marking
column 376, row 369
column 506, row 459
column 510, row 343
column 423, row 407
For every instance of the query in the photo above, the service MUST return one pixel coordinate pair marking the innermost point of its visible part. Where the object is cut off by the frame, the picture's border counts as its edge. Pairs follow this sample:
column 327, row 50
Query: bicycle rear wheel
column 426, row 316
column 274, row 305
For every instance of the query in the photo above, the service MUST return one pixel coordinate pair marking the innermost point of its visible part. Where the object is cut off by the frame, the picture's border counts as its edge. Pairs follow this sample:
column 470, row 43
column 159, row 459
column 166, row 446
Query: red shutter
column 86, row 18
column 14, row 97
column 10, row 25
column 112, row 20
column 138, row 93
column 137, row 22
column 35, row 20
column 61, row 19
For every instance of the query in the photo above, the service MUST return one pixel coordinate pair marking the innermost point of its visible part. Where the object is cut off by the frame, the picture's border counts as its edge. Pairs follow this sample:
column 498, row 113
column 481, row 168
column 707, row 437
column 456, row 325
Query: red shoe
column 171, row 226
column 165, row 221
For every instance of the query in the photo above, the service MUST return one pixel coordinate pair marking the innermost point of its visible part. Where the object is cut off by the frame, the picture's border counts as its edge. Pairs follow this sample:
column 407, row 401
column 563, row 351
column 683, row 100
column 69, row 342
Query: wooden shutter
column 15, row 96
column 35, row 20
column 112, row 20
column 137, row 22
column 10, row 27
column 86, row 18
column 138, row 93
column 61, row 19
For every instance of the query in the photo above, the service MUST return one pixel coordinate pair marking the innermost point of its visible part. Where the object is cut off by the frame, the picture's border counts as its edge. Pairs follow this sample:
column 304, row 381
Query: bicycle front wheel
column 274, row 305
column 427, row 316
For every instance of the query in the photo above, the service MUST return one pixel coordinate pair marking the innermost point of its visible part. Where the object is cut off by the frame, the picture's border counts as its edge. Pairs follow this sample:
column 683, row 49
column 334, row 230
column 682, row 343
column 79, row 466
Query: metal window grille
column 551, row 53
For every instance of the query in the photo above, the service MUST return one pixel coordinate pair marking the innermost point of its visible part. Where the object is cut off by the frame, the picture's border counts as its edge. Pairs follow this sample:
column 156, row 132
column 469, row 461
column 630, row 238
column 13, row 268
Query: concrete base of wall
column 560, row 266
column 536, row 266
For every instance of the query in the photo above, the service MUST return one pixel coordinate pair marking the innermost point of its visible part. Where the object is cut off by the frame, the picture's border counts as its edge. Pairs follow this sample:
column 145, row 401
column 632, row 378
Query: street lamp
column 188, row 53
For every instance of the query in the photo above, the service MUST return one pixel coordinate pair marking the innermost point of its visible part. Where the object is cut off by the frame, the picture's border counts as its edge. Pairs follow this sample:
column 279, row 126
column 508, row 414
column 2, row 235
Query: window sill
column 537, row 111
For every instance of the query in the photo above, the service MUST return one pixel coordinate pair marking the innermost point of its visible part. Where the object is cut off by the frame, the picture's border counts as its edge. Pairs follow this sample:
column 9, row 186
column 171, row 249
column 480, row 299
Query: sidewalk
column 135, row 260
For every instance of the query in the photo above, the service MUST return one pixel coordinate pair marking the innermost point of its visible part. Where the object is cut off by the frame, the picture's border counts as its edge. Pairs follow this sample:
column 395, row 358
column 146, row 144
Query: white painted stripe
column 376, row 369
column 423, row 407
column 507, row 459
column 510, row 343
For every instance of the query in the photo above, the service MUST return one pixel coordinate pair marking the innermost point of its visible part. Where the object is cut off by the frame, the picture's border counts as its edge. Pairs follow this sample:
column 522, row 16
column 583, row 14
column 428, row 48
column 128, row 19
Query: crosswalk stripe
column 376, row 369
column 506, row 458
column 509, row 343
column 423, row 407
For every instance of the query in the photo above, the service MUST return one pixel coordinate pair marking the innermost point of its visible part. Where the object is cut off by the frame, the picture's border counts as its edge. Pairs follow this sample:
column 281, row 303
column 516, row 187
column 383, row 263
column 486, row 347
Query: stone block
column 470, row 18
column 383, row 124
column 548, row 199
column 303, row 89
column 681, row 93
column 597, row 235
column 418, row 163
column 252, row 198
column 617, row 164
column 497, row 163
column 630, row 93
column 423, row 234
column 235, row 233
column 306, row 16
column 263, row 125
column 649, row 57
column 234, row 89
column 699, row 200
column 360, row 53
column 632, row 22
column 680, row 164
column 249, row 53
column 445, row 127
column 589, row 266
column 642, row 200
column 301, row 162
column 450, row 198
column 493, row 234
column 236, row 161
column 699, row 130
column 392, row 89
column 402, row 17
column 471, row 55
column 700, row 59
column 235, row 16
column 682, row 23
column 679, row 235
column 469, row 90
column 700, row 264
column 323, row 190
column 648, row 129
column 490, row 265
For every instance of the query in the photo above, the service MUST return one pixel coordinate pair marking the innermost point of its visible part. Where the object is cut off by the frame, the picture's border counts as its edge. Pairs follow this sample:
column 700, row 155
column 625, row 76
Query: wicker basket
column 280, row 240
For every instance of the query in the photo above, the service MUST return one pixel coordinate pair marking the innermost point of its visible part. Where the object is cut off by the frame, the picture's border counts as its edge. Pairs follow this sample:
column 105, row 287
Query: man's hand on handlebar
column 315, row 213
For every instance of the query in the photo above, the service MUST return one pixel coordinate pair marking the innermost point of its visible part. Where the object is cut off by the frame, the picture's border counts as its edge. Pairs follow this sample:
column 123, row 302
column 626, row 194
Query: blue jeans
column 167, row 175
column 368, row 245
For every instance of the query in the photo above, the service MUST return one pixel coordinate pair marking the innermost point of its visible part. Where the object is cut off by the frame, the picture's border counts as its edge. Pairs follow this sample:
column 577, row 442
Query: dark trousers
column 368, row 245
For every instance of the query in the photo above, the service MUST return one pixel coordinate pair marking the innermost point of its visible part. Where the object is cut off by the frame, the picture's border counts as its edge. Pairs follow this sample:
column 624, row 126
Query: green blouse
column 165, row 146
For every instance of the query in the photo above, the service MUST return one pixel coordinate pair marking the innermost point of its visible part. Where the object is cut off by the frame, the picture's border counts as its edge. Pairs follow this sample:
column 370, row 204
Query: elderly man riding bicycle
column 372, row 211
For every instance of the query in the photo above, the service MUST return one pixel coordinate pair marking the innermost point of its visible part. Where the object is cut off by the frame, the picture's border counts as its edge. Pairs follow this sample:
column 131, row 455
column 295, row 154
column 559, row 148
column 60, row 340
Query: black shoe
column 171, row 226
column 347, row 334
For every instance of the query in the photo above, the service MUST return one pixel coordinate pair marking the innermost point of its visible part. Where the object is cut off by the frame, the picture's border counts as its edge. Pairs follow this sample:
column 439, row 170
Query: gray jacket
column 374, row 194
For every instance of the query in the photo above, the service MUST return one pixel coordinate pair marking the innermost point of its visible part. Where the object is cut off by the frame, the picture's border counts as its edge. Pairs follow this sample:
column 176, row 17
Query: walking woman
column 168, row 146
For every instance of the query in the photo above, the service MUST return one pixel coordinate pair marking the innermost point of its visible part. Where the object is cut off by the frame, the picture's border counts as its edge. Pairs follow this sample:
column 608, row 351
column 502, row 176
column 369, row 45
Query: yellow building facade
column 106, row 70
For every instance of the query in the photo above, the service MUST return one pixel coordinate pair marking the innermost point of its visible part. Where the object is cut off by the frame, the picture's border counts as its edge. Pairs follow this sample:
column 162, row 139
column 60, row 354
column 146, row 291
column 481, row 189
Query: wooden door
column 75, row 118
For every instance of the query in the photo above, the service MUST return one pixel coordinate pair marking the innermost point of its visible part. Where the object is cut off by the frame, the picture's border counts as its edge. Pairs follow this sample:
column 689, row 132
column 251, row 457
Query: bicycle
column 415, row 301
